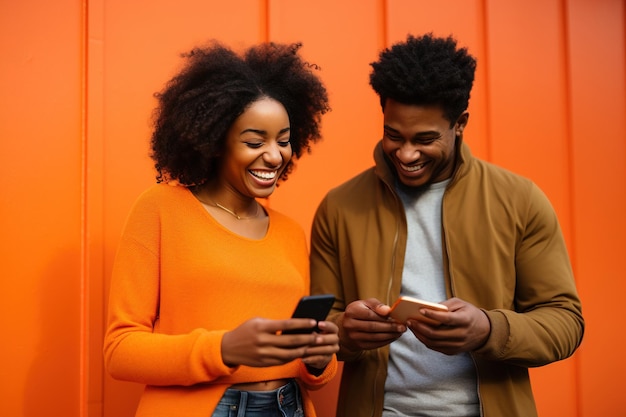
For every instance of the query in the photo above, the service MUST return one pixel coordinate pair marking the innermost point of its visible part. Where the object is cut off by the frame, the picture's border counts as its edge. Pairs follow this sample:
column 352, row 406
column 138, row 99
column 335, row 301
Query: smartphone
column 409, row 308
column 312, row 307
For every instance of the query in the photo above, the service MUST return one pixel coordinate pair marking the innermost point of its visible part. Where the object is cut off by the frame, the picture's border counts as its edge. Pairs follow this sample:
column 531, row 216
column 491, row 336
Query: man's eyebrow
column 427, row 133
column 387, row 127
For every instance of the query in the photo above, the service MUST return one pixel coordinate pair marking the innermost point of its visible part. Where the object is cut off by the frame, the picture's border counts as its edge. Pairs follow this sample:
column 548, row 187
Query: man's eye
column 426, row 141
column 392, row 137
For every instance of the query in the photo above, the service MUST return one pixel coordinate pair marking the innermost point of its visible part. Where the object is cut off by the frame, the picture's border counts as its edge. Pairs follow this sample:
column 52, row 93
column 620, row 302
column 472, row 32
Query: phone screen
column 314, row 307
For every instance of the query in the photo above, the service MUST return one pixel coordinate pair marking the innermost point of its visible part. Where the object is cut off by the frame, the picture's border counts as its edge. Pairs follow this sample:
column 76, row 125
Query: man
column 432, row 222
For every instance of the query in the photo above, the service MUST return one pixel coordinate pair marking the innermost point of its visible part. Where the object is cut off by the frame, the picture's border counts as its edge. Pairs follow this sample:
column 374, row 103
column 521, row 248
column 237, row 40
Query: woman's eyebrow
column 257, row 131
column 262, row 132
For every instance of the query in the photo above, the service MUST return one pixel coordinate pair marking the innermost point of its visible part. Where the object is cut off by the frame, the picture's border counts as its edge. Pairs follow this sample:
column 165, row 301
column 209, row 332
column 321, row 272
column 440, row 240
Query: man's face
column 420, row 143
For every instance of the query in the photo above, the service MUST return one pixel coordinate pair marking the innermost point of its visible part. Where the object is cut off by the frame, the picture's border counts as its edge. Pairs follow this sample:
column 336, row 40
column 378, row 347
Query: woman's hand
column 326, row 344
column 258, row 343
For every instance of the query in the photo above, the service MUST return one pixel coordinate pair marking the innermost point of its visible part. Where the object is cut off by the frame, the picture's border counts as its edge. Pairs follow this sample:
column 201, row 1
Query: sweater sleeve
column 313, row 382
column 133, row 349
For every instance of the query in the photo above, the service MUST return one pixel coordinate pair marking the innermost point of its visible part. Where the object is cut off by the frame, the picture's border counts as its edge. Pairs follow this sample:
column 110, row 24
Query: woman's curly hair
column 197, row 107
column 425, row 70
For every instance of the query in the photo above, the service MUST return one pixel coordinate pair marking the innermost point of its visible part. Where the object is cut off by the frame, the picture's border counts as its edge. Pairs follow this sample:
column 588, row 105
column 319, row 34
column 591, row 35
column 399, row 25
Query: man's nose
column 408, row 152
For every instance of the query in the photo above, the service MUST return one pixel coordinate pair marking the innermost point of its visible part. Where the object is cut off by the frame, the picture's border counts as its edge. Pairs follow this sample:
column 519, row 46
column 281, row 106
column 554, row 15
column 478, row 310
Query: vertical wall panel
column 40, row 200
column 343, row 43
column 598, row 84
column 94, row 227
column 528, row 121
column 528, row 99
column 142, row 41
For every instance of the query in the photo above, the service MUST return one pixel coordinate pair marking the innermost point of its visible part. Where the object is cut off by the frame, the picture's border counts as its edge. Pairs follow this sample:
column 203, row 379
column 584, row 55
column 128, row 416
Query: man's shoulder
column 357, row 191
column 357, row 184
column 496, row 174
column 486, row 179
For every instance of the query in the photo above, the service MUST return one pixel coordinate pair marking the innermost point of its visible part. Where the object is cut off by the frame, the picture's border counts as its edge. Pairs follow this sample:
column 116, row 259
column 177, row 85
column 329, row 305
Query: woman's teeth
column 265, row 175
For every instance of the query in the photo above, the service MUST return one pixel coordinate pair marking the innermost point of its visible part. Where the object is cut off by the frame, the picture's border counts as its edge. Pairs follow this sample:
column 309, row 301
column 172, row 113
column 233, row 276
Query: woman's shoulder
column 282, row 222
column 162, row 195
column 163, row 191
column 279, row 217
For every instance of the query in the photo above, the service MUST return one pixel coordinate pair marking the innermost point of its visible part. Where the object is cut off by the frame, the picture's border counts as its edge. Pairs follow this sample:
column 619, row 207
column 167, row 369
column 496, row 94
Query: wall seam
column 486, row 60
column 383, row 10
column 571, row 201
column 84, row 247
column 265, row 20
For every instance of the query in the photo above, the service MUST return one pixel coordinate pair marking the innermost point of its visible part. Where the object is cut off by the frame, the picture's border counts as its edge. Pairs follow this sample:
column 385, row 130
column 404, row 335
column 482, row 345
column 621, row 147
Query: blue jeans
column 282, row 402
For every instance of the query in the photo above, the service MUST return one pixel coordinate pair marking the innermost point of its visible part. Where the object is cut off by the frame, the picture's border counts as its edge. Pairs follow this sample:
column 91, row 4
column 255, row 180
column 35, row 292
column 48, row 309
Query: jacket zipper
column 453, row 294
column 389, row 287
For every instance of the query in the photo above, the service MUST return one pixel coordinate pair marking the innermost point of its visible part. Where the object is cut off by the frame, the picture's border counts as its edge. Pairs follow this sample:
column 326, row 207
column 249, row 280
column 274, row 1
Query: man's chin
column 412, row 183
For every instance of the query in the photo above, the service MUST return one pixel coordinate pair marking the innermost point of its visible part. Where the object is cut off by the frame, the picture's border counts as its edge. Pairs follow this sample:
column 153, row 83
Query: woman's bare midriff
column 261, row 386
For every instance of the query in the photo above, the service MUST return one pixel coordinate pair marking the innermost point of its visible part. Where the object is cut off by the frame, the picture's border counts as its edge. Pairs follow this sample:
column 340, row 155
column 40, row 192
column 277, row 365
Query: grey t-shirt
column 421, row 381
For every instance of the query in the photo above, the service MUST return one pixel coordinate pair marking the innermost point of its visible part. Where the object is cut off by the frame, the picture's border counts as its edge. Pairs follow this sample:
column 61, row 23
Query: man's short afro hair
column 425, row 70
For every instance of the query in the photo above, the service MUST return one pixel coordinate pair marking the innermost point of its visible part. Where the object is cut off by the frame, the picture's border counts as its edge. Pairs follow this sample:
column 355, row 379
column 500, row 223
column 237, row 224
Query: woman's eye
column 284, row 143
column 254, row 145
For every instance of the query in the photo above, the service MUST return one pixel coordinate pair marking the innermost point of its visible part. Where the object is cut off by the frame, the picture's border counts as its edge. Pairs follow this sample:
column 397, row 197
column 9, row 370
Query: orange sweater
column 180, row 281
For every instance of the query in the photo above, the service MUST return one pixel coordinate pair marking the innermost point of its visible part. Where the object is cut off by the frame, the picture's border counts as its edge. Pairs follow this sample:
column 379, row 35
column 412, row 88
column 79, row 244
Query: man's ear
column 461, row 122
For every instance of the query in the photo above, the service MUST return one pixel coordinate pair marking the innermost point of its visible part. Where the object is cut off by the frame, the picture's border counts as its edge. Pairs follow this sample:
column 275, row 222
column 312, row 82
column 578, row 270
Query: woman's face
column 257, row 149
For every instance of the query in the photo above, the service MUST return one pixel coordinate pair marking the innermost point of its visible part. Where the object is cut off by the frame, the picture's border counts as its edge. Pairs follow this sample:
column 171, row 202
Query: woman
column 205, row 278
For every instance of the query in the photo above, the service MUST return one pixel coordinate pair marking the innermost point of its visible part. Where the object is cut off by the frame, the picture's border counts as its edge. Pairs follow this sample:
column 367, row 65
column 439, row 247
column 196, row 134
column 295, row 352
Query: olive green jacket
column 503, row 251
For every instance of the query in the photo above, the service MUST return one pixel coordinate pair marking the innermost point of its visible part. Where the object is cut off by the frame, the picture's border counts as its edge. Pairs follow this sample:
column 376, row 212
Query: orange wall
column 76, row 85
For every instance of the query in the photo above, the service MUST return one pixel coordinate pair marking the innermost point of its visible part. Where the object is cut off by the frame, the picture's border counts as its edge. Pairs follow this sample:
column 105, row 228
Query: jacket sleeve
column 546, row 324
column 326, row 269
column 133, row 350
column 324, row 266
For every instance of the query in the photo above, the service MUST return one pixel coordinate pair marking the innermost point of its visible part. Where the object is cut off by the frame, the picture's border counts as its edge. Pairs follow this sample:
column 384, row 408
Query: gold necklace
column 227, row 210
column 238, row 217
column 231, row 212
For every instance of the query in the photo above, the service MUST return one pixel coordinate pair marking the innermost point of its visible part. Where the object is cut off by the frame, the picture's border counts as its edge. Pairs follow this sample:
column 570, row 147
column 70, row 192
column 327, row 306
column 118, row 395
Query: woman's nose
column 272, row 155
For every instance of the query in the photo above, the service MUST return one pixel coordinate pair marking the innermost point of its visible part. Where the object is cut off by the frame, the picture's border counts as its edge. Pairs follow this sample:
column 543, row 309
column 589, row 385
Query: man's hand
column 365, row 325
column 463, row 328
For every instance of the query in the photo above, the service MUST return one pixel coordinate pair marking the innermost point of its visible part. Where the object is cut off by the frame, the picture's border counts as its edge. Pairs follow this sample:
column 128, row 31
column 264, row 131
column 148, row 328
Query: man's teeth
column 266, row 175
column 412, row 167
